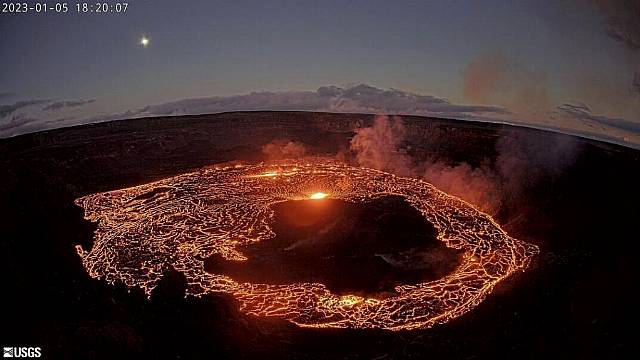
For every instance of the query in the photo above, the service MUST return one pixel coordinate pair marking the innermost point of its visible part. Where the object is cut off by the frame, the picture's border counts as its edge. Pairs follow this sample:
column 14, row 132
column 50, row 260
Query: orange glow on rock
column 318, row 196
column 175, row 223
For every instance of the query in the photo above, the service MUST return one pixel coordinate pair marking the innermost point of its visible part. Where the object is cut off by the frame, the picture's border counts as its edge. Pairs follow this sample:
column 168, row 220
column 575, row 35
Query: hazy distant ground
column 572, row 197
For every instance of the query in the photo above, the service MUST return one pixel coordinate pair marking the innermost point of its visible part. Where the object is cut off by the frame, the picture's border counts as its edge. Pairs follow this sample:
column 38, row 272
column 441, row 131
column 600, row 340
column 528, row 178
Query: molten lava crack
column 178, row 222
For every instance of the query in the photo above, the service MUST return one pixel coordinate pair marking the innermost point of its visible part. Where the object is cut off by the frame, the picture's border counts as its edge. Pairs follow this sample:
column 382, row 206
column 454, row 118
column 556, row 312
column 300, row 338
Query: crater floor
column 366, row 249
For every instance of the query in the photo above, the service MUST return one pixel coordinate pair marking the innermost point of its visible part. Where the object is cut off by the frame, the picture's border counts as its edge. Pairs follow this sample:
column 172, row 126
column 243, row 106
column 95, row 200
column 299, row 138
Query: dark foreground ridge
column 365, row 249
column 575, row 301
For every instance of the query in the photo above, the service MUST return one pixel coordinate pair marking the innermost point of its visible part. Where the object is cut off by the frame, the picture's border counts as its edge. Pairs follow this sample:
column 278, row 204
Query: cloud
column 365, row 98
column 360, row 98
column 67, row 104
column 6, row 110
column 353, row 99
column 15, row 122
column 583, row 113
column 492, row 78
column 622, row 19
column 6, row 94
column 22, row 123
column 301, row 100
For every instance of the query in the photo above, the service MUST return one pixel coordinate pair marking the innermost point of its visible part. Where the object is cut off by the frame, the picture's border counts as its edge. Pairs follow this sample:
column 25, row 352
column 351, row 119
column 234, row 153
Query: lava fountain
column 178, row 222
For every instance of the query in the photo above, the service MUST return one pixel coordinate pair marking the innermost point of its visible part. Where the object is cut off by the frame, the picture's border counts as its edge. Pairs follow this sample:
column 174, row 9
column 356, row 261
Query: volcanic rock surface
column 574, row 301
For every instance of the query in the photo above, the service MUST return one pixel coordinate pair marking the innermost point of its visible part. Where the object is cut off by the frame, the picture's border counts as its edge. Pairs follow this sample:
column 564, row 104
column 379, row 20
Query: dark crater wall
column 575, row 301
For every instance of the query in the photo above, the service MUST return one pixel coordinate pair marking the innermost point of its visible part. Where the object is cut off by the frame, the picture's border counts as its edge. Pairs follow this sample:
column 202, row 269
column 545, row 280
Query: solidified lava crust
column 178, row 222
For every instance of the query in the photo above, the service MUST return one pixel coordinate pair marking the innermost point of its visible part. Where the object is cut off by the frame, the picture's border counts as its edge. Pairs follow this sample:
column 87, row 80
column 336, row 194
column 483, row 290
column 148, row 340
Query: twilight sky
column 572, row 64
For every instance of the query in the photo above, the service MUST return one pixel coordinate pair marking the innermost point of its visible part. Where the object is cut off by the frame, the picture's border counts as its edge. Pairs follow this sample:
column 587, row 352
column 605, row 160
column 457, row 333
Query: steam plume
column 283, row 149
column 378, row 146
column 492, row 78
column 522, row 162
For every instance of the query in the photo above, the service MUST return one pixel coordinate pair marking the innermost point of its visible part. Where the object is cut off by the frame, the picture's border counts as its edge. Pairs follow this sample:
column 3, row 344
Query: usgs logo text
column 21, row 352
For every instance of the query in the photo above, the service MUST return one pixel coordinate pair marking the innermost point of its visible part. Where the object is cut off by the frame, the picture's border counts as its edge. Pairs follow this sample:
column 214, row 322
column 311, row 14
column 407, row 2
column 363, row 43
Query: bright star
column 144, row 41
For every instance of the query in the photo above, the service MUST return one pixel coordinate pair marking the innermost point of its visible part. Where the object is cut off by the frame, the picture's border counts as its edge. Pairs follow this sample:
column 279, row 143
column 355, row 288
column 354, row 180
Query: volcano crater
column 363, row 248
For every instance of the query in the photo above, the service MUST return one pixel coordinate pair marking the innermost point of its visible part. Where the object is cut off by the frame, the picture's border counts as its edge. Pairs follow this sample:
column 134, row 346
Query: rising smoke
column 283, row 149
column 522, row 162
column 622, row 23
column 493, row 78
column 377, row 147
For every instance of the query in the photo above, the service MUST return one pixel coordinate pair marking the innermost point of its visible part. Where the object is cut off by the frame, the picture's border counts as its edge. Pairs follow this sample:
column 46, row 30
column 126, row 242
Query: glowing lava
column 177, row 222
column 318, row 196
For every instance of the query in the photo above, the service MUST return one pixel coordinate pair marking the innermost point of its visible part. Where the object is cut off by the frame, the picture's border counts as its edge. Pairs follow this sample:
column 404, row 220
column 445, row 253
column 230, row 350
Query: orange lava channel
column 177, row 222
